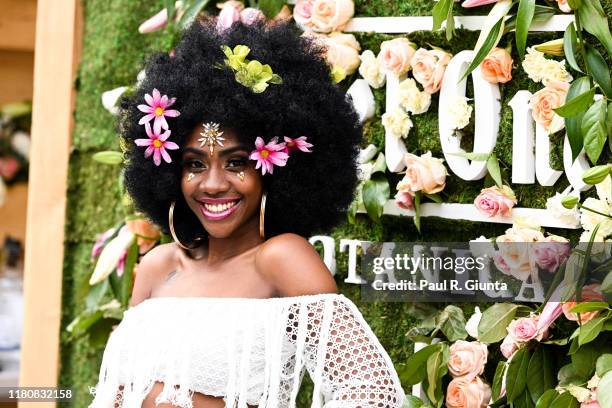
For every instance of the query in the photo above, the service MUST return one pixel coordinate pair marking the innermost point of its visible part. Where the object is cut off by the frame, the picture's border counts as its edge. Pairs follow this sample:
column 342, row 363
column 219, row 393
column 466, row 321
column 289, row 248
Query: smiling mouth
column 219, row 210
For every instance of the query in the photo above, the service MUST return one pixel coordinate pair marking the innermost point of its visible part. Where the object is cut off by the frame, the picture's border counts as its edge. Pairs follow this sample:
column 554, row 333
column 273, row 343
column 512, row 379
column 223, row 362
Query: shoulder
column 292, row 265
column 151, row 266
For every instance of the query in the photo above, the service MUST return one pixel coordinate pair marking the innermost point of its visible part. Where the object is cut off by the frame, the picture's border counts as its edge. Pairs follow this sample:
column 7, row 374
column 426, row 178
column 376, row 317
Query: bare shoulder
column 292, row 265
column 152, row 265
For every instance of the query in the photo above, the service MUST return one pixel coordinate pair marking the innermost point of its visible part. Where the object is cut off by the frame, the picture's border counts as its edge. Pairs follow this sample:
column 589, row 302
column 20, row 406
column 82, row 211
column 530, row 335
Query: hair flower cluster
column 156, row 110
column 273, row 153
column 250, row 73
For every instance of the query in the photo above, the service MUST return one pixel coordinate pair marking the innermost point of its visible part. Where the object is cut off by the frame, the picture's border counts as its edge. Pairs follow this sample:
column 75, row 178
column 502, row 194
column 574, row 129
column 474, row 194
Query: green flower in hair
column 250, row 73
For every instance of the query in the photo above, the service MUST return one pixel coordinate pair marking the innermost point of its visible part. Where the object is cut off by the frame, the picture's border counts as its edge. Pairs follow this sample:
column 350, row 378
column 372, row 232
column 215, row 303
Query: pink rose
column 251, row 15
column 545, row 100
column 497, row 66
column 467, row 358
column 428, row 68
column 563, row 6
column 590, row 293
column 476, row 3
column 302, row 12
column 424, row 173
column 466, row 392
column 590, row 404
column 229, row 15
column 395, row 55
column 404, row 200
column 525, row 328
column 549, row 255
column 508, row 346
column 330, row 15
column 494, row 201
column 9, row 166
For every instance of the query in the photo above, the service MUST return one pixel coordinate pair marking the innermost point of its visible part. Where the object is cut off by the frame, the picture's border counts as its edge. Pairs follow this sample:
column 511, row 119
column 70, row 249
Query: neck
column 243, row 239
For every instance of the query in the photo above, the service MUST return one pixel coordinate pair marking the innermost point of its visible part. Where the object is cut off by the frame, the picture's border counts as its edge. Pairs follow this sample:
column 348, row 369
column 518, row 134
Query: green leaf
column 380, row 165
column 576, row 105
column 96, row 293
column 483, row 51
column 450, row 22
column 540, row 15
column 589, row 307
column 590, row 330
column 546, row 399
column 412, row 402
column 271, row 8
column 375, row 195
column 565, row 400
column 108, row 157
column 417, row 210
column 434, row 197
column 593, row 129
column 454, row 326
column 606, row 285
column 583, row 361
column 598, row 69
column 539, row 373
column 604, row 364
column 492, row 326
column 191, row 12
column 436, row 369
column 604, row 390
column 572, row 124
column 494, row 171
column 570, row 46
column 472, row 156
column 497, row 379
column 170, row 8
column 128, row 273
column 593, row 19
column 440, row 12
column 609, row 125
column 414, row 371
column 523, row 21
column 516, row 379
column 83, row 322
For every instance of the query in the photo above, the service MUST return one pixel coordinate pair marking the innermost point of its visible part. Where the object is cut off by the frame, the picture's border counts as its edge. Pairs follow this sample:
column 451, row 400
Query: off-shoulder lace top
column 248, row 351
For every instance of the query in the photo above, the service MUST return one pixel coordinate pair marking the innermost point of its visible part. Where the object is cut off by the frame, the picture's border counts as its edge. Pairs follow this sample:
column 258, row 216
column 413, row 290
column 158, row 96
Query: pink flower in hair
column 299, row 143
column 157, row 109
column 269, row 155
column 157, row 145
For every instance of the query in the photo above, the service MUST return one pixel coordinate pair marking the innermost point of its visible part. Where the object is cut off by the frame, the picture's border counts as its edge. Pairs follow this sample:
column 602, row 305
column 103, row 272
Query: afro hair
column 312, row 192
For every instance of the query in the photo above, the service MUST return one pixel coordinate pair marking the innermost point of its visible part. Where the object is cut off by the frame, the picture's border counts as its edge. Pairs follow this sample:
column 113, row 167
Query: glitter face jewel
column 190, row 176
column 241, row 175
column 211, row 136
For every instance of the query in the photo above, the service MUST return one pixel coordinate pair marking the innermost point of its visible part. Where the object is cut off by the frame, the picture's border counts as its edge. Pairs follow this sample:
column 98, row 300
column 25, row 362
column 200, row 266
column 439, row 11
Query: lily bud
column 569, row 202
column 596, row 174
column 553, row 47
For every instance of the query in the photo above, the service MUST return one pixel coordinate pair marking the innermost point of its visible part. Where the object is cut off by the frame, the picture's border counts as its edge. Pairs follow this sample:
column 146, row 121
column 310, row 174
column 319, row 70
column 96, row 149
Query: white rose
column 110, row 98
column 589, row 219
column 370, row 70
column 541, row 69
column 459, row 111
column 569, row 216
column 413, row 100
column 471, row 327
column 21, row 143
column 604, row 189
column 481, row 247
column 397, row 122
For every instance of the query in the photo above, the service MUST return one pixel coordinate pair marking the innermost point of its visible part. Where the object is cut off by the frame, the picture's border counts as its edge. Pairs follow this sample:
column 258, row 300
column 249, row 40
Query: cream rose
column 395, row 55
column 397, row 122
column 330, row 15
column 496, row 68
column 424, row 173
column 428, row 68
column 514, row 256
column 495, row 201
column 467, row 358
column 459, row 111
column 541, row 69
column 370, row 70
column 589, row 219
column 302, row 13
column 544, row 101
column 343, row 51
column 413, row 100
column 465, row 392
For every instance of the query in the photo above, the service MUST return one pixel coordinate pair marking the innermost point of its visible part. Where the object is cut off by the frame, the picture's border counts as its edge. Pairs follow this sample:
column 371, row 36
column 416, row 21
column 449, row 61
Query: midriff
column 199, row 400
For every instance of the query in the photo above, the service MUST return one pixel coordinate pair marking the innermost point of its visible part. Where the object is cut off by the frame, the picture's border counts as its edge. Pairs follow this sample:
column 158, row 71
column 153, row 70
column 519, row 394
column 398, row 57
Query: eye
column 193, row 164
column 236, row 162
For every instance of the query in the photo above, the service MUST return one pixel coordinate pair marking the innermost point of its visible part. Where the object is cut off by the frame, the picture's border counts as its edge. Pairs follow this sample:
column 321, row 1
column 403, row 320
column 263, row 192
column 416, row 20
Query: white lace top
column 248, row 351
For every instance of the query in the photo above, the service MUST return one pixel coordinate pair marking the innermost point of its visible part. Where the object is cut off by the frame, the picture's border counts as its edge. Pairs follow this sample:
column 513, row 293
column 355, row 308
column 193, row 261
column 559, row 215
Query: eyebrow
column 222, row 153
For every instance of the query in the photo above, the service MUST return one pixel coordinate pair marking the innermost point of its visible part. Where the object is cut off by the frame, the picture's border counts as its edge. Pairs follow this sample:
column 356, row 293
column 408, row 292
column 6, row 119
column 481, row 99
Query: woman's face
column 225, row 189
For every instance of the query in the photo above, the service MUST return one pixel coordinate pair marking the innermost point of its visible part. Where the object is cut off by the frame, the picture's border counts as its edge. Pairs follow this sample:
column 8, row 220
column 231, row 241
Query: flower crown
column 267, row 155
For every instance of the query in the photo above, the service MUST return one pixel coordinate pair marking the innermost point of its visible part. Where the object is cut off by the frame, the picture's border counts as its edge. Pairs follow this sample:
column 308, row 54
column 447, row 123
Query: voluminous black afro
column 312, row 192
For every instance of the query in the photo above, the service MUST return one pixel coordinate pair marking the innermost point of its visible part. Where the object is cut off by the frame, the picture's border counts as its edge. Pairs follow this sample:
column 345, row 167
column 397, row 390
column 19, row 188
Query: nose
column 214, row 181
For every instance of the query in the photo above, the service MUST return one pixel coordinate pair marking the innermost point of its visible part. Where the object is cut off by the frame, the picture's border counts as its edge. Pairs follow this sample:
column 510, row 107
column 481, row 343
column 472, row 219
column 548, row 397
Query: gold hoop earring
column 173, row 232
column 262, row 214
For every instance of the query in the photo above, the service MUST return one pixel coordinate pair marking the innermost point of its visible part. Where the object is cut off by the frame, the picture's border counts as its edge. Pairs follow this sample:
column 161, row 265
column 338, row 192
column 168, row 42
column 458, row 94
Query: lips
column 218, row 208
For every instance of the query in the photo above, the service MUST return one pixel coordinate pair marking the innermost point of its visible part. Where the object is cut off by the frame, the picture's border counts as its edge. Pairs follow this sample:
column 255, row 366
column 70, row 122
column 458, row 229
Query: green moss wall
column 113, row 53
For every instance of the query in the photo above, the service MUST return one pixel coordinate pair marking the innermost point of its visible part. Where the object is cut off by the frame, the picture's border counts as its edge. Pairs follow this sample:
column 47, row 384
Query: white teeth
column 220, row 207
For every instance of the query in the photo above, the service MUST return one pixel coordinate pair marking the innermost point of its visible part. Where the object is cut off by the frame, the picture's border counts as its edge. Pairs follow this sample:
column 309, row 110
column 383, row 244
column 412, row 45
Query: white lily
column 110, row 255
column 110, row 98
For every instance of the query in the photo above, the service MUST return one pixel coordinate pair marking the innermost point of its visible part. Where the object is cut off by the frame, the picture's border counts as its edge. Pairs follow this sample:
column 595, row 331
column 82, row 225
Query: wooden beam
column 58, row 44
column 17, row 24
column 16, row 76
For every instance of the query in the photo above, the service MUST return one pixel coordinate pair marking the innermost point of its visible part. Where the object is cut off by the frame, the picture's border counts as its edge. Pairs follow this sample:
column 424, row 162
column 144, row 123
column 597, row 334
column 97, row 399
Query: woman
column 240, row 146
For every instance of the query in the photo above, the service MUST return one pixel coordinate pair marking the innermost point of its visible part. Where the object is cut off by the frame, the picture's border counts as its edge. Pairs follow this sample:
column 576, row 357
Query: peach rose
column 590, row 293
column 467, row 358
column 428, row 68
column 283, row 15
column 497, row 66
column 544, row 101
column 465, row 392
column 424, row 173
column 343, row 51
column 563, row 6
column 302, row 12
column 395, row 55
column 495, row 201
column 508, row 346
column 330, row 15
column 526, row 328
column 147, row 234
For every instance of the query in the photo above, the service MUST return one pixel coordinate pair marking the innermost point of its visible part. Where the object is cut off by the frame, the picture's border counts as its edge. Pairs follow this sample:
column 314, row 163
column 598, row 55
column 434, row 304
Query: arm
column 152, row 265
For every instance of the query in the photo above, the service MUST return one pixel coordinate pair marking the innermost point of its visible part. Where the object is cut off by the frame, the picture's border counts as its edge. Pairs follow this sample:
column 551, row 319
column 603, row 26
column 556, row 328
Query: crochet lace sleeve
column 348, row 365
